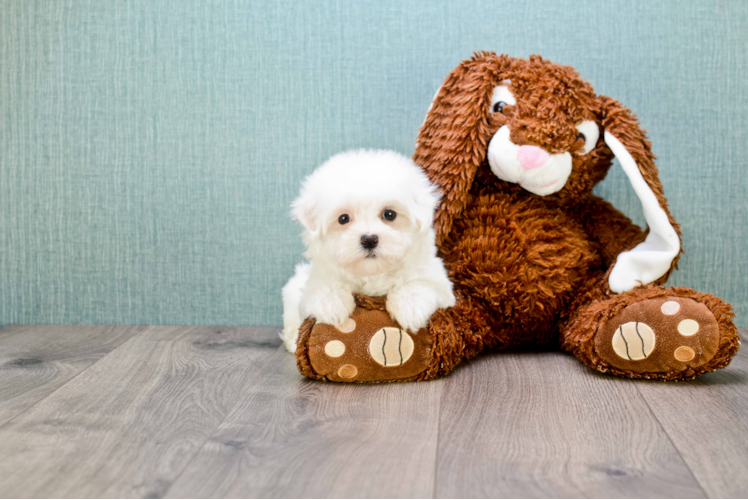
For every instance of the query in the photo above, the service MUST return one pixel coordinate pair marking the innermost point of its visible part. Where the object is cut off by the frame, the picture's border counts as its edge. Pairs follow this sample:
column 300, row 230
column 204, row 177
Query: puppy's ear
column 305, row 210
column 453, row 139
column 654, row 259
column 424, row 203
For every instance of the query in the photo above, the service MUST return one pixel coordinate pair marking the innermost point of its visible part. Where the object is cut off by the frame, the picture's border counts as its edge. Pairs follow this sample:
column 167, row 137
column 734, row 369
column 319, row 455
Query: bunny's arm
column 609, row 228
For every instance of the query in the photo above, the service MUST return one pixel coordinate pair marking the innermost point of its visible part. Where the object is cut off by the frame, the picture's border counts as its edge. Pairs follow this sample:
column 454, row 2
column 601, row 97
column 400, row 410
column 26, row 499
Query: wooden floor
column 128, row 411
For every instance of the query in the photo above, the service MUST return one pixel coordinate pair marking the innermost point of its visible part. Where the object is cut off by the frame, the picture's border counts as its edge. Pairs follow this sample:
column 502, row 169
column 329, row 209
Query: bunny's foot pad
column 664, row 334
column 367, row 347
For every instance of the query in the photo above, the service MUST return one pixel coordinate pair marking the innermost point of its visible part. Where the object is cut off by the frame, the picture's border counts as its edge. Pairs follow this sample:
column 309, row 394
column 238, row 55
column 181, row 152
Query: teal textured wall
column 149, row 148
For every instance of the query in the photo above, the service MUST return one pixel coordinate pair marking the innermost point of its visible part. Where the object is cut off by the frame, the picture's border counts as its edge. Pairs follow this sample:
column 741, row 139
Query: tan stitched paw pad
column 659, row 335
column 633, row 341
column 391, row 347
column 368, row 347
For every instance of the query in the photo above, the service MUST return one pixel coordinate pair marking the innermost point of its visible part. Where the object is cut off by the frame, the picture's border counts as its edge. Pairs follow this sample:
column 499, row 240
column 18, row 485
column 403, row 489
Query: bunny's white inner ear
column 652, row 258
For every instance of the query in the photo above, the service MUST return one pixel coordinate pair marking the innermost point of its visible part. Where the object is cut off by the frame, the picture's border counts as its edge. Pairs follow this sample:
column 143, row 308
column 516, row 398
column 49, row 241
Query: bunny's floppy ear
column 653, row 259
column 453, row 139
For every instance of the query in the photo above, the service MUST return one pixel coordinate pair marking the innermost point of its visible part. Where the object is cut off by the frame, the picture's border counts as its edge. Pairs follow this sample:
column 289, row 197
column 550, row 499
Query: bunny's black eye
column 389, row 214
column 581, row 136
column 498, row 107
column 344, row 219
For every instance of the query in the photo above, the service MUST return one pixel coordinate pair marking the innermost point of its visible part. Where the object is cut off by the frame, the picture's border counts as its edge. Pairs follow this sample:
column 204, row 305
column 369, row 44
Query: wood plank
column 130, row 423
column 294, row 437
column 707, row 421
column 544, row 425
column 35, row 360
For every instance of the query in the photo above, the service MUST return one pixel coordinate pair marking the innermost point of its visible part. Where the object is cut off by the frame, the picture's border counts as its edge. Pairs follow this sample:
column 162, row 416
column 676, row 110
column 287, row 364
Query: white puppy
column 367, row 218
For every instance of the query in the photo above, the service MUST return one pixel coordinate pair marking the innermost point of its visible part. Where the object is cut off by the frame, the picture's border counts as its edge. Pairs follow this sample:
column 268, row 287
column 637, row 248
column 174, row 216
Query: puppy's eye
column 498, row 107
column 344, row 219
column 389, row 214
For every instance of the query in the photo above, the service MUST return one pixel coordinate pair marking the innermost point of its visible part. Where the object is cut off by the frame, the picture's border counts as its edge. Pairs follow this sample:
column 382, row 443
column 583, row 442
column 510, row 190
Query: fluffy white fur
column 403, row 266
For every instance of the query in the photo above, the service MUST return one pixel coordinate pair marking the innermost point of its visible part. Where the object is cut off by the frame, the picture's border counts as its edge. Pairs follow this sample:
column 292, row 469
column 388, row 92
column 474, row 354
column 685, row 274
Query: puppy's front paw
column 331, row 307
column 411, row 310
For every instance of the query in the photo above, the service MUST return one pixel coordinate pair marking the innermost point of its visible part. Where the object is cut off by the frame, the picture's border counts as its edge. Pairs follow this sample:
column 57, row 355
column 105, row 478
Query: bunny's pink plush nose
column 531, row 157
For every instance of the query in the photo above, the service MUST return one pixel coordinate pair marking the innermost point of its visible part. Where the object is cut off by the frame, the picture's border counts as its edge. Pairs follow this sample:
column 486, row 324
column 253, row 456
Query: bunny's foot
column 367, row 347
column 657, row 333
column 666, row 334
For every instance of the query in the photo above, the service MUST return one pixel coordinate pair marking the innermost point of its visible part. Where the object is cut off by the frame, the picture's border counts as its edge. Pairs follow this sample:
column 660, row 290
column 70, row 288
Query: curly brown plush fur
column 532, row 269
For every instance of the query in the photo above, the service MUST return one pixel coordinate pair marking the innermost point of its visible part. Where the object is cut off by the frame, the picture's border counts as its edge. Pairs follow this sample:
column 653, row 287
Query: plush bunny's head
column 539, row 127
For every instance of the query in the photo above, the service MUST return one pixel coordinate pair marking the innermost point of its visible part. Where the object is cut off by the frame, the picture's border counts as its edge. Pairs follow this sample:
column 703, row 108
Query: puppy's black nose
column 369, row 241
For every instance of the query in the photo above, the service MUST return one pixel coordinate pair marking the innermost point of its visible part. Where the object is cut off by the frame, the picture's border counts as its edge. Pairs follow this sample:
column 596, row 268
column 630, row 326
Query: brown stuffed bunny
column 516, row 147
